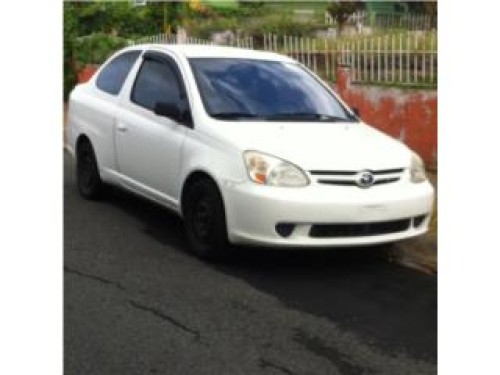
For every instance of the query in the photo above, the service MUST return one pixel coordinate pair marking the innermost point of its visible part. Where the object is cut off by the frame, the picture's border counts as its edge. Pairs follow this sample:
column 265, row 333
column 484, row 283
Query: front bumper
column 253, row 211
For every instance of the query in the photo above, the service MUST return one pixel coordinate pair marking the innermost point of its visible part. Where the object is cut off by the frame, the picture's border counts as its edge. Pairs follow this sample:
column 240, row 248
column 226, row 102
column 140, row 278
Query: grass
column 411, row 41
column 318, row 7
column 396, row 84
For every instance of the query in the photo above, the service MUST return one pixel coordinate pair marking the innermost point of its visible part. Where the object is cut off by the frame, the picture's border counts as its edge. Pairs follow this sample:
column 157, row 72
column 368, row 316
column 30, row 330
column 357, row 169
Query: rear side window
column 155, row 82
column 112, row 77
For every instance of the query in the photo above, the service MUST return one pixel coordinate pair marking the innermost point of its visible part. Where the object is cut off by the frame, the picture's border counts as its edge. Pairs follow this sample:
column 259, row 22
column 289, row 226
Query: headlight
column 417, row 169
column 268, row 170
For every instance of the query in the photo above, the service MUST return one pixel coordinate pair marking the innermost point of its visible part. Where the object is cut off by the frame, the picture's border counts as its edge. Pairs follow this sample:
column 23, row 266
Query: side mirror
column 168, row 110
column 356, row 111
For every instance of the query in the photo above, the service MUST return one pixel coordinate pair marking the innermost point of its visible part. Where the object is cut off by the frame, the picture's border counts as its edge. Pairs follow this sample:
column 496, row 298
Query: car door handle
column 122, row 128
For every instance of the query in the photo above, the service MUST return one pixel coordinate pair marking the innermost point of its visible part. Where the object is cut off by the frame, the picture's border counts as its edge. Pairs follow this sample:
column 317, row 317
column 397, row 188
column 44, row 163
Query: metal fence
column 242, row 42
column 406, row 21
column 402, row 59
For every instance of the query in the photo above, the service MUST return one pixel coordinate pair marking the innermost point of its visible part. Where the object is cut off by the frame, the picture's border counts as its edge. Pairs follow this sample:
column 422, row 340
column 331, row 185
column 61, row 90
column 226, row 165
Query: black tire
column 88, row 180
column 205, row 220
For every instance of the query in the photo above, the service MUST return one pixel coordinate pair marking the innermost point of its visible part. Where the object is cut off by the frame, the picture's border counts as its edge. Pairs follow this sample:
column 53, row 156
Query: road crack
column 242, row 307
column 319, row 348
column 160, row 314
column 100, row 279
column 264, row 363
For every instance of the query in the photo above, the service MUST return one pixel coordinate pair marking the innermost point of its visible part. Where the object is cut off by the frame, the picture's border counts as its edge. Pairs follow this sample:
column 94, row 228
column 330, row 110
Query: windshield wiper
column 233, row 115
column 304, row 116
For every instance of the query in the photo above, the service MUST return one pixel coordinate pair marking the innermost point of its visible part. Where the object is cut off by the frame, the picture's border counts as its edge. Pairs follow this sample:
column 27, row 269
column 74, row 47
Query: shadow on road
column 158, row 222
column 357, row 288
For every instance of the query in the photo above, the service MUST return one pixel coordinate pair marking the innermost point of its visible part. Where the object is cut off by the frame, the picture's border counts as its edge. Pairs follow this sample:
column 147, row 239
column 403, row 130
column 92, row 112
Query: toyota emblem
column 365, row 179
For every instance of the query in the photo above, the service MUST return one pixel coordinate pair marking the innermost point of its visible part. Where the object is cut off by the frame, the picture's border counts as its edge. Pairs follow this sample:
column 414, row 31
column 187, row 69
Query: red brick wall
column 409, row 115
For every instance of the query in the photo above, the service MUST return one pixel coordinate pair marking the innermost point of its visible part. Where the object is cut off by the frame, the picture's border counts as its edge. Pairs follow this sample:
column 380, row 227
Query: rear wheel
column 205, row 220
column 88, row 179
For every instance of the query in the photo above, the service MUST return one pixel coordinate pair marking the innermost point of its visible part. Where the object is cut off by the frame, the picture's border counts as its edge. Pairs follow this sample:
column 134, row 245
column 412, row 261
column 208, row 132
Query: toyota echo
column 248, row 147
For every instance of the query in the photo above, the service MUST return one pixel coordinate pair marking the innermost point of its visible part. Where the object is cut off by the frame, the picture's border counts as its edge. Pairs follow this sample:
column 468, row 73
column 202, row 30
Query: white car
column 248, row 147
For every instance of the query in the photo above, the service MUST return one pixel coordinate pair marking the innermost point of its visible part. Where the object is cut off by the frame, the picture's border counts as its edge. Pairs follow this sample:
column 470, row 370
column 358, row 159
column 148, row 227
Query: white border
column 31, row 267
column 468, row 127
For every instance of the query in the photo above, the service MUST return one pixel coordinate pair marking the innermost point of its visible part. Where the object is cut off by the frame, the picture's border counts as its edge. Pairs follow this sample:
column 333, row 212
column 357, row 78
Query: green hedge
column 96, row 48
column 255, row 27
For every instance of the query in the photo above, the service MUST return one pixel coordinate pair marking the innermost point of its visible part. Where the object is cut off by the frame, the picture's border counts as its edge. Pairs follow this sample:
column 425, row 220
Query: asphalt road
column 136, row 302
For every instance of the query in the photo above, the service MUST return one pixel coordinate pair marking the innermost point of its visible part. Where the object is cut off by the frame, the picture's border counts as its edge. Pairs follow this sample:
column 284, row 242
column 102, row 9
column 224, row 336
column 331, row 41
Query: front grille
column 358, row 229
column 351, row 173
column 350, row 178
column 353, row 183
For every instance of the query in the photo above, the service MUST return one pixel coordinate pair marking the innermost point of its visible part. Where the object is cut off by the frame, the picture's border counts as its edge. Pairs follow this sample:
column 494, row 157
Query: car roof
column 215, row 51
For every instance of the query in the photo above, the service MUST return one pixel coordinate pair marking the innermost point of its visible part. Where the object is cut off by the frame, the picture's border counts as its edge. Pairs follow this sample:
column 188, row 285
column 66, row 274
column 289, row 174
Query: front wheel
column 205, row 220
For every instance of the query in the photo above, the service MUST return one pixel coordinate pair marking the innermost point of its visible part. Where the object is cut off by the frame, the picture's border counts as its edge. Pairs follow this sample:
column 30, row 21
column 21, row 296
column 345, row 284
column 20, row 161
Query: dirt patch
column 417, row 253
column 420, row 253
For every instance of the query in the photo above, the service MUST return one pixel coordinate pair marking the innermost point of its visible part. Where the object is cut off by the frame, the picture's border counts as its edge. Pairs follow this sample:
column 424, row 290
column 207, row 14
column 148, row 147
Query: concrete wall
column 86, row 73
column 409, row 115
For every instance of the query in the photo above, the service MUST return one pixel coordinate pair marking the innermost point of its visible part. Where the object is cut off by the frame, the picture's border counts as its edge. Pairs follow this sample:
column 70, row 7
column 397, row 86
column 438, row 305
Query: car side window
column 156, row 82
column 112, row 77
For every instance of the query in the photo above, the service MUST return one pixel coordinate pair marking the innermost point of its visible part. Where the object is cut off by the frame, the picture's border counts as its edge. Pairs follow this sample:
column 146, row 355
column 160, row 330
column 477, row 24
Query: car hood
column 317, row 145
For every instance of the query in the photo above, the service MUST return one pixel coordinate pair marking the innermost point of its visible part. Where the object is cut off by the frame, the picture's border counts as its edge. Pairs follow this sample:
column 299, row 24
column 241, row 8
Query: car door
column 148, row 146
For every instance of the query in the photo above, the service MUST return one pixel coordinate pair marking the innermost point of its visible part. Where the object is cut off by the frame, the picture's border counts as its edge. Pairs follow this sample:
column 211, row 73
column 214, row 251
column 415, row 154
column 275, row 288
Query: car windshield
column 237, row 89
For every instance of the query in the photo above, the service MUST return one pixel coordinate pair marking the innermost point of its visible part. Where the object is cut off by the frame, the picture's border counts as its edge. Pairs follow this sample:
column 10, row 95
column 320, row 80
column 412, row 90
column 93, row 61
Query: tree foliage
column 100, row 20
column 425, row 7
column 341, row 10
column 70, row 32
